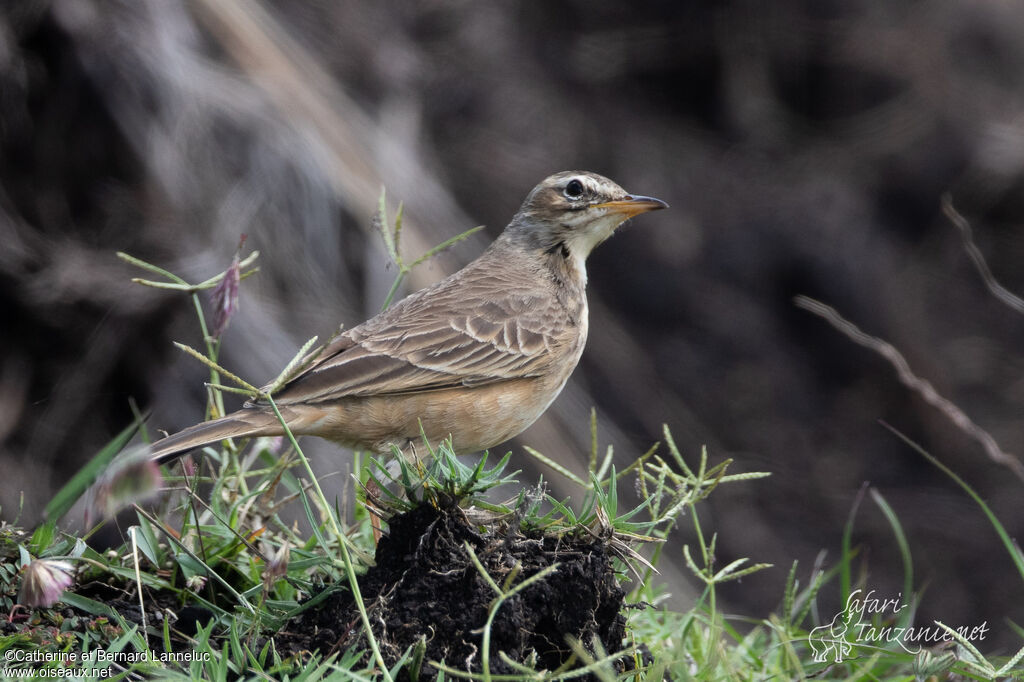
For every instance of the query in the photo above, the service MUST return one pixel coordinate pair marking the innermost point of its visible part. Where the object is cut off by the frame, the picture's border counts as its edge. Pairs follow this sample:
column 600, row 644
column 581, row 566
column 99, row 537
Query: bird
column 476, row 357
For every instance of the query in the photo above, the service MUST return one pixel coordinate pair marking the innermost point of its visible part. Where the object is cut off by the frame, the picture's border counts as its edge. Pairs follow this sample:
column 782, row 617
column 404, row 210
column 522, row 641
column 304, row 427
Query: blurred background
column 803, row 147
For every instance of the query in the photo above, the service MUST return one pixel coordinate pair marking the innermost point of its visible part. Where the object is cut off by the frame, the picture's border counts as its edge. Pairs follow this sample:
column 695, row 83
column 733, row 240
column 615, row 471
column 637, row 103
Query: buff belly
column 477, row 418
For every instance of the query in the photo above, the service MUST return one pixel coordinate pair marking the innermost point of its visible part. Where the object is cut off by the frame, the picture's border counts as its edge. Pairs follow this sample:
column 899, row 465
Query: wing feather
column 457, row 333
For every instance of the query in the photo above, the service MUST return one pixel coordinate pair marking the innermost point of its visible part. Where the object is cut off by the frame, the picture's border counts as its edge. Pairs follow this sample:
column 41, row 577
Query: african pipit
column 478, row 356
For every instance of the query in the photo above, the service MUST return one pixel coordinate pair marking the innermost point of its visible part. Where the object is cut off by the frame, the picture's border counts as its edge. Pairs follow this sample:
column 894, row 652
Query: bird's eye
column 573, row 190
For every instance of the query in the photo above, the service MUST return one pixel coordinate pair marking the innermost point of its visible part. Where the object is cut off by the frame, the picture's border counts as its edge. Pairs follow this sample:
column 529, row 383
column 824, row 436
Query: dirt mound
column 425, row 585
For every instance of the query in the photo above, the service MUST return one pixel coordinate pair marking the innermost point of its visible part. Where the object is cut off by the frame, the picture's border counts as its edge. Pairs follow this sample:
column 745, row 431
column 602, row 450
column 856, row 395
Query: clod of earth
column 425, row 585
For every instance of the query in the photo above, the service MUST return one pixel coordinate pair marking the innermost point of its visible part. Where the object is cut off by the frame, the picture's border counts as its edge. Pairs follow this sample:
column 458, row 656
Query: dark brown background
column 803, row 147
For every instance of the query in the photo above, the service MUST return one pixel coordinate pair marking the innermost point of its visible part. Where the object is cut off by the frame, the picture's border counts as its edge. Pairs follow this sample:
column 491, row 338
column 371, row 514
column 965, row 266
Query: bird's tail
column 241, row 424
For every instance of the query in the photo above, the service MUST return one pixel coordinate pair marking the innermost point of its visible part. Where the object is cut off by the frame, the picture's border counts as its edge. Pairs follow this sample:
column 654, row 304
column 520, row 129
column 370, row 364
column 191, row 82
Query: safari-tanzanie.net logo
column 875, row 621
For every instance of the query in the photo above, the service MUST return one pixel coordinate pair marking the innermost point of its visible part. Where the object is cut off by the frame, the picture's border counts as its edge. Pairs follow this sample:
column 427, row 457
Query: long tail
column 242, row 424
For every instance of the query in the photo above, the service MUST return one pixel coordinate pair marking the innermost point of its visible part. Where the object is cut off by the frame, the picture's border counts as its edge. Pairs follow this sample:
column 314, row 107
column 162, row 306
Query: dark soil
column 425, row 585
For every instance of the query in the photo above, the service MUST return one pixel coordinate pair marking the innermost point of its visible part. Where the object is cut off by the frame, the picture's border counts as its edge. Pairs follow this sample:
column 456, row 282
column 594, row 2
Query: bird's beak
column 633, row 205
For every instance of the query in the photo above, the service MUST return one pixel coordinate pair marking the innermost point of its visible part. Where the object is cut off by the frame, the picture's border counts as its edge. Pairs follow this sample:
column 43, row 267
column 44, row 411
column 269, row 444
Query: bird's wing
column 457, row 333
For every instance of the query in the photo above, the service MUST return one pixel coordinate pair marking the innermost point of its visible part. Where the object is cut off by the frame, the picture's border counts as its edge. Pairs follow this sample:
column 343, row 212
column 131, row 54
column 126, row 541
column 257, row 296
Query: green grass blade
column 846, row 566
column 447, row 243
column 901, row 540
column 150, row 267
column 90, row 606
column 1011, row 547
column 556, row 466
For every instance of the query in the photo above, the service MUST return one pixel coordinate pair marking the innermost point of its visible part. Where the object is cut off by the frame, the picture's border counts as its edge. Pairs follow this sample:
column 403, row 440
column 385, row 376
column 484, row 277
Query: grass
column 219, row 551
column 209, row 576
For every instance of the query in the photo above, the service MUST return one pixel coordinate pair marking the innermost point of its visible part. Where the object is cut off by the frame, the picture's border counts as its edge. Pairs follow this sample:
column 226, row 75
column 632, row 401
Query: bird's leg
column 373, row 508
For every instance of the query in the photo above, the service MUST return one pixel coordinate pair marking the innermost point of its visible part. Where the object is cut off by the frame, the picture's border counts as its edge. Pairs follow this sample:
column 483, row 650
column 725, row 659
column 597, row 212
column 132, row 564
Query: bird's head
column 570, row 213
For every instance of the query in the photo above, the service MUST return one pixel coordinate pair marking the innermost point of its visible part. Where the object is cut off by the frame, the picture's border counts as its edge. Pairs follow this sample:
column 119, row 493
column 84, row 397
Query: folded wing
column 456, row 336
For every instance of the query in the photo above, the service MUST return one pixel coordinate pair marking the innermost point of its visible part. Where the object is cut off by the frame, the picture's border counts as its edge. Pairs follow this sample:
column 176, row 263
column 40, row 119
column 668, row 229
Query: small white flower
column 196, row 583
column 44, row 581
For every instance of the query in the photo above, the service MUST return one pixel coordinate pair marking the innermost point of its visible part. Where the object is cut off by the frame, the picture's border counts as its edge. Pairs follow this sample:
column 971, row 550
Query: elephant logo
column 826, row 640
